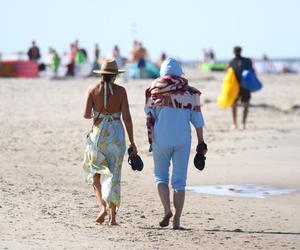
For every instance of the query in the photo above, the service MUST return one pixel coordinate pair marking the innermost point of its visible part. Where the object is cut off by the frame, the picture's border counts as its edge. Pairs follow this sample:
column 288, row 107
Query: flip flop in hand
column 199, row 159
column 135, row 161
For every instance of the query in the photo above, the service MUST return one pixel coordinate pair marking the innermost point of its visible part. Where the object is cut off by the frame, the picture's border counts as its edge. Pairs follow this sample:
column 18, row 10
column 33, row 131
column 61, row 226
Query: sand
column 44, row 203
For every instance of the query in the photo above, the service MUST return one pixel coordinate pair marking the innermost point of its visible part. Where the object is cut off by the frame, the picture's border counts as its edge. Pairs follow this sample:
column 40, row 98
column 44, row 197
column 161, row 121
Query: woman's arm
column 127, row 121
column 88, row 104
column 199, row 132
column 198, row 122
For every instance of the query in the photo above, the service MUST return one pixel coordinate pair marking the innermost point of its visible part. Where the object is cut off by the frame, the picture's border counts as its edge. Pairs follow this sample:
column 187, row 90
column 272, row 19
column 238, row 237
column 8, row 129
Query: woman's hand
column 201, row 148
column 134, row 149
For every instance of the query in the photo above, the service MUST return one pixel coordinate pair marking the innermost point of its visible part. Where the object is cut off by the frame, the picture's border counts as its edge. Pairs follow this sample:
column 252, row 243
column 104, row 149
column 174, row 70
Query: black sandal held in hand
column 199, row 160
column 135, row 162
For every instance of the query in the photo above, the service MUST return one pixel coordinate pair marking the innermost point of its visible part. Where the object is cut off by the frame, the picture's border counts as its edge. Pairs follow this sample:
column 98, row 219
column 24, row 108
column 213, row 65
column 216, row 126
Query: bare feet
column 113, row 223
column 112, row 219
column 165, row 221
column 234, row 127
column 101, row 216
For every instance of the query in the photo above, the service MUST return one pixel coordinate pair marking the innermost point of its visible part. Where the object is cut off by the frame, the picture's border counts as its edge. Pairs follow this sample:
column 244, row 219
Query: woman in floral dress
column 105, row 103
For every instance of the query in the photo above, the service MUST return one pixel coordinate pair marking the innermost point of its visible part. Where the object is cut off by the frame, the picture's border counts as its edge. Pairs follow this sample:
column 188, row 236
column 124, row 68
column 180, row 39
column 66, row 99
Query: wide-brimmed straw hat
column 109, row 67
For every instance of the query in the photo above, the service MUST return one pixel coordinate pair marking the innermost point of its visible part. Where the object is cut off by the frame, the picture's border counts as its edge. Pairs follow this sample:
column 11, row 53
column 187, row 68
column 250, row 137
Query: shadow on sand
column 165, row 228
column 291, row 109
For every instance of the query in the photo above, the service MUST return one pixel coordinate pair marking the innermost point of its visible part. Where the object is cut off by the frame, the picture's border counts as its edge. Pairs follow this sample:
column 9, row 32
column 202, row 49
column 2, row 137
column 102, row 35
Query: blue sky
column 181, row 28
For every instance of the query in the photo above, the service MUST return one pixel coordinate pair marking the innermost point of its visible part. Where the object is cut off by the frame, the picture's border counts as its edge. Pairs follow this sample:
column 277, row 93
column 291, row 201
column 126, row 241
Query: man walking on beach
column 239, row 63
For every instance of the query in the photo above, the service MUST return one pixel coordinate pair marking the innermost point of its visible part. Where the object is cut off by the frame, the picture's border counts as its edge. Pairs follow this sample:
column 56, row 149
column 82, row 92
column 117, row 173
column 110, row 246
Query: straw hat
column 109, row 67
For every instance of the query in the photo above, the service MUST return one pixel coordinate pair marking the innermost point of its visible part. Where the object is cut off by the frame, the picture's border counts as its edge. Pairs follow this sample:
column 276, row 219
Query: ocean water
column 272, row 66
column 244, row 191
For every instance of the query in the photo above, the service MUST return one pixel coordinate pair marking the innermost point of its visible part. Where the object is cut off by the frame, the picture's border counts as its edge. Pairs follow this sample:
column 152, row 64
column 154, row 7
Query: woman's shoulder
column 92, row 88
column 120, row 89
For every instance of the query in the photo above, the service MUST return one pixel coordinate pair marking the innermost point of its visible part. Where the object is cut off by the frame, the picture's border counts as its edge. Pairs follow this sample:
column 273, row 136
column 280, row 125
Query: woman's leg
column 112, row 214
column 164, row 194
column 162, row 156
column 100, row 201
column 178, row 204
column 180, row 161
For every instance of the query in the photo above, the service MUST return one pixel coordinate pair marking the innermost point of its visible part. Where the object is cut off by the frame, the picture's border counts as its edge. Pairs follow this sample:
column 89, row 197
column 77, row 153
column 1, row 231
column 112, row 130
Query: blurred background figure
column 239, row 64
column 72, row 54
column 163, row 57
column 211, row 56
column 54, row 61
column 134, row 51
column 97, row 51
column 267, row 66
column 141, row 61
column 83, row 67
column 116, row 55
column 205, row 56
column 81, row 56
column 208, row 56
column 34, row 52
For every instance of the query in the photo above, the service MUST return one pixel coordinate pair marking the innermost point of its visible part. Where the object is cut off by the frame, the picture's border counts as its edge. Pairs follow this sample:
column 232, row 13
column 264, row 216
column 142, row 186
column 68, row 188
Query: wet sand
column 44, row 203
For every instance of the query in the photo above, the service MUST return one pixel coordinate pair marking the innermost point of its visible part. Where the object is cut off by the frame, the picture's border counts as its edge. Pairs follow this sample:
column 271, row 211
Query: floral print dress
column 104, row 153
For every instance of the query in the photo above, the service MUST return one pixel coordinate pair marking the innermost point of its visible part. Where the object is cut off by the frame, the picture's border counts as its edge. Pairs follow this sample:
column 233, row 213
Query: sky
column 181, row 28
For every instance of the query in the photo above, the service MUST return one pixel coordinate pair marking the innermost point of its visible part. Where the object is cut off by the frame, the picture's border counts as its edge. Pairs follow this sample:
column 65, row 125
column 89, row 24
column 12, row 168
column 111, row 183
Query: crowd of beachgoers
column 76, row 62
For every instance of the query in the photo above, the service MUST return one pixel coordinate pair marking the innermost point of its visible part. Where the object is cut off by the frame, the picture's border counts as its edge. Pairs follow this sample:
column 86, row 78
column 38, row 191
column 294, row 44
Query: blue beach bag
column 250, row 82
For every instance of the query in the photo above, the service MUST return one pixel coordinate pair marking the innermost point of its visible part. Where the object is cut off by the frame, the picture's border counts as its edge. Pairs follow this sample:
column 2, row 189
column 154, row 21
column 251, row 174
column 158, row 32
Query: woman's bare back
column 114, row 101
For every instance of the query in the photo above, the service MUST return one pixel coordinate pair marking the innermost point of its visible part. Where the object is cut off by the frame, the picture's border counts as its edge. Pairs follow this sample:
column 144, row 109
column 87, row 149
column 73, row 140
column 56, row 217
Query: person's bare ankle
column 176, row 222
column 165, row 221
column 168, row 213
column 234, row 127
column 113, row 223
column 101, row 216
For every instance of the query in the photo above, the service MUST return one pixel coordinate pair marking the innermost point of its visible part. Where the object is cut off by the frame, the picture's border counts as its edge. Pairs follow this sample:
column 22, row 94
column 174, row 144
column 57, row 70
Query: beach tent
column 133, row 71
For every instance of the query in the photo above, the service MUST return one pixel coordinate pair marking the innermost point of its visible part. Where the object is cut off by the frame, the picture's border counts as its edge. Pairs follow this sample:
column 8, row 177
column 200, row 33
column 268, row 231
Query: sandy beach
column 45, row 204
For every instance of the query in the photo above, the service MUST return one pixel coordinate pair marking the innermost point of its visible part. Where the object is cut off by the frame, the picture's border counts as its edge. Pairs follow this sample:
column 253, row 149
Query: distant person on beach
column 162, row 58
column 105, row 103
column 54, row 60
column 72, row 55
column 141, row 61
column 171, row 104
column 34, row 52
column 212, row 56
column 116, row 55
column 97, row 52
column 96, row 64
column 239, row 63
column 134, row 51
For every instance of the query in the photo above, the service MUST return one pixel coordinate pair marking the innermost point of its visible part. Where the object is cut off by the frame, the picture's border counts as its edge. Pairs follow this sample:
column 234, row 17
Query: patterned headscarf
column 170, row 91
column 174, row 92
